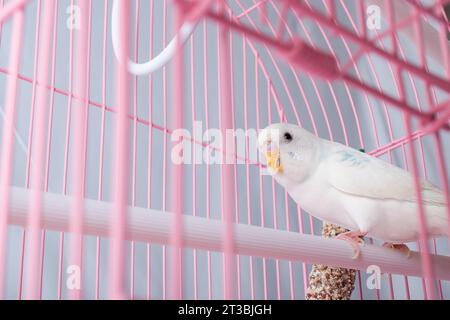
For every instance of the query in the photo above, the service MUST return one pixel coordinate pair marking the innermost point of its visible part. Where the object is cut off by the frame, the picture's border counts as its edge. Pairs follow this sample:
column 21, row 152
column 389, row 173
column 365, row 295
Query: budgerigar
column 344, row 186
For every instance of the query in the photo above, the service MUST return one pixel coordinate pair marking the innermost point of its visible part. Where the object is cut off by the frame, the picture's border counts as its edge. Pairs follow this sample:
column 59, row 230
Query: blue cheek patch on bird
column 296, row 156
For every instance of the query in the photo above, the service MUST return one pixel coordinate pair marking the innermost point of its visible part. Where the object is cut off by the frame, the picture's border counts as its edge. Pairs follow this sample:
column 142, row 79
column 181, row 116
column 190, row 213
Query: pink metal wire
column 119, row 215
column 134, row 152
column 35, row 210
column 8, row 139
column 80, row 108
column 177, row 178
column 49, row 143
column 102, row 145
column 227, row 170
column 150, row 140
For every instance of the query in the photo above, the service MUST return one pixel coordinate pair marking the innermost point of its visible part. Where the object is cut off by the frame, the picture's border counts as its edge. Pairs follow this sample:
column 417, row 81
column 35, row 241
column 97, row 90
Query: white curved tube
column 157, row 62
column 154, row 226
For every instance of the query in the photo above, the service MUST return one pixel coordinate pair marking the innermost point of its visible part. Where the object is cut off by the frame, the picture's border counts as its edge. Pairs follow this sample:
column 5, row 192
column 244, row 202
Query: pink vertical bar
column 1, row 23
column 176, row 235
column 437, row 137
column 150, row 143
column 444, row 49
column 194, row 165
column 41, row 264
column 261, row 191
column 405, row 280
column 164, row 186
column 274, row 210
column 102, row 143
column 426, row 262
column 134, row 152
column 304, row 267
column 426, row 259
column 22, row 258
column 119, row 215
column 66, row 152
column 208, row 169
column 7, row 152
column 424, row 169
column 247, row 152
column 441, row 161
column 87, row 100
column 395, row 47
column 49, row 138
column 227, row 183
column 80, row 109
column 288, row 227
column 236, row 197
column 30, row 132
column 39, row 155
column 37, row 45
column 60, row 264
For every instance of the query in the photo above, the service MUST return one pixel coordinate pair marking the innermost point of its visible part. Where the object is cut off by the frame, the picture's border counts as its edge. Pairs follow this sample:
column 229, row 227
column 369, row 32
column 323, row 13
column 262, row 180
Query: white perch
column 155, row 226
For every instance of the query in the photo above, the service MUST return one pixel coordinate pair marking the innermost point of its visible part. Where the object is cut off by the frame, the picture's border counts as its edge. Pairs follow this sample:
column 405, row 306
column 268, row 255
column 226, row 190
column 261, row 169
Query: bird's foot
column 354, row 238
column 400, row 247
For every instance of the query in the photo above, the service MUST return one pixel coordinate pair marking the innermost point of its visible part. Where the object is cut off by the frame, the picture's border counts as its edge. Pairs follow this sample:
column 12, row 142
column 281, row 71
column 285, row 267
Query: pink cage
column 92, row 204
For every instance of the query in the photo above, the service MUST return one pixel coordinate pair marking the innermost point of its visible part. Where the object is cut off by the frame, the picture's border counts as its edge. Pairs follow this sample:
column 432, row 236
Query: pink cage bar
column 92, row 204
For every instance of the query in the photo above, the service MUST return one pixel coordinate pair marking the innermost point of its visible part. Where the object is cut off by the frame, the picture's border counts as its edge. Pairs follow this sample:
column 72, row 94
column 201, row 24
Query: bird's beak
column 272, row 153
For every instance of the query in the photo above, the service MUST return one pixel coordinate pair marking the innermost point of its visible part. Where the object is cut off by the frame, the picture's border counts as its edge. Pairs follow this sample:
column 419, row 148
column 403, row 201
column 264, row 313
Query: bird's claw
column 355, row 240
column 400, row 247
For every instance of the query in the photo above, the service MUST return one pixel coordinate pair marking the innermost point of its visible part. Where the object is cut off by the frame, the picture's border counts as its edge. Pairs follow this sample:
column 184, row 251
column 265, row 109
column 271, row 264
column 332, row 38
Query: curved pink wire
column 39, row 157
column 8, row 139
column 134, row 148
column 102, row 144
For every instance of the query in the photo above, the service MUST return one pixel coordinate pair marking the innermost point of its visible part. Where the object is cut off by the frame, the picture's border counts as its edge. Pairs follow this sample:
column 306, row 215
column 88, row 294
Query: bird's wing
column 358, row 174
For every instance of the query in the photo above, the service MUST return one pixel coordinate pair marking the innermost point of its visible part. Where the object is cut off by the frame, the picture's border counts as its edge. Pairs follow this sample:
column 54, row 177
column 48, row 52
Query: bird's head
column 291, row 152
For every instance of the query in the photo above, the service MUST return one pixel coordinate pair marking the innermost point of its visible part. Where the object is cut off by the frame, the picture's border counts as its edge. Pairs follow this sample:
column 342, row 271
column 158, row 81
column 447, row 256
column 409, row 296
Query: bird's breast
column 317, row 198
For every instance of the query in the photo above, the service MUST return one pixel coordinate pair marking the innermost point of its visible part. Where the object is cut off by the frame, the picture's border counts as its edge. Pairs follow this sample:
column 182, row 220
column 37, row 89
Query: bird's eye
column 288, row 137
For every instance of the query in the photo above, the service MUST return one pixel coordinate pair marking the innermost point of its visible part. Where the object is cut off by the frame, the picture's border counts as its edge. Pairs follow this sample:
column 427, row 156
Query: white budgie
column 344, row 186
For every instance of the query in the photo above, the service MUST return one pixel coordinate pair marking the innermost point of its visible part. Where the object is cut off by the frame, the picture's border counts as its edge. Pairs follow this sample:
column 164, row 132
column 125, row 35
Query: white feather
column 344, row 186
